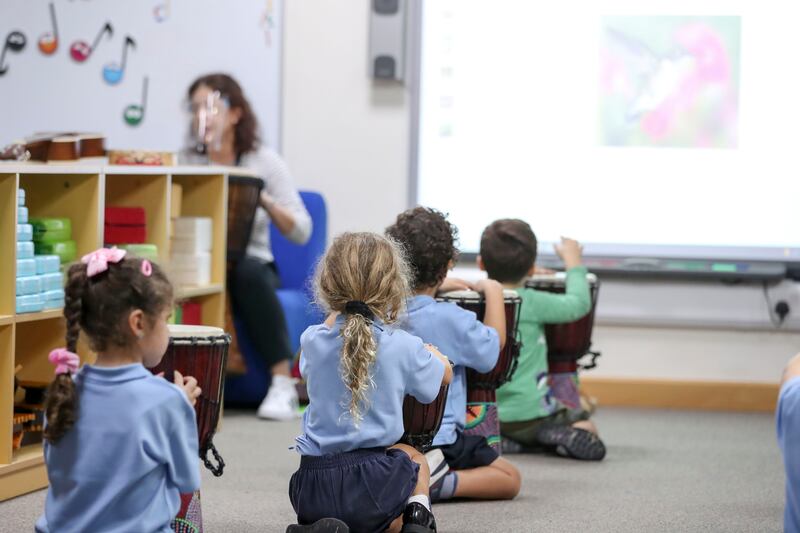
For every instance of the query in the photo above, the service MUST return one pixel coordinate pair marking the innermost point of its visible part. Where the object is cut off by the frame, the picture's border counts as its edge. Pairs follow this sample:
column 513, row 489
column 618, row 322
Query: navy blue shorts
column 468, row 451
column 366, row 489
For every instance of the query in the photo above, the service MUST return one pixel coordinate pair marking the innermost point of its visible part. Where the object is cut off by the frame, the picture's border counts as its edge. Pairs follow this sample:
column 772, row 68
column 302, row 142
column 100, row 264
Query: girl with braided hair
column 120, row 443
column 358, row 368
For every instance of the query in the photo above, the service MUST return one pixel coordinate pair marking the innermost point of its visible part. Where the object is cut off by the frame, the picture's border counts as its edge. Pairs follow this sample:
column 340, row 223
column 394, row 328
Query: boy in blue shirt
column 788, row 423
column 462, row 466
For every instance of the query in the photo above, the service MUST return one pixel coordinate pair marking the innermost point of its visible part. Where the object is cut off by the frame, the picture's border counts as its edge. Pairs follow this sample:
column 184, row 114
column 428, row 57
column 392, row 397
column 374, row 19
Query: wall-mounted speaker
column 387, row 39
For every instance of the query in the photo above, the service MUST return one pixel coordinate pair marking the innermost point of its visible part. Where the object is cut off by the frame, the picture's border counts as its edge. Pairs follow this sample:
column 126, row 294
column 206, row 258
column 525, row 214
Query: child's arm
column 792, row 369
column 495, row 315
column 448, row 368
column 551, row 308
column 182, row 464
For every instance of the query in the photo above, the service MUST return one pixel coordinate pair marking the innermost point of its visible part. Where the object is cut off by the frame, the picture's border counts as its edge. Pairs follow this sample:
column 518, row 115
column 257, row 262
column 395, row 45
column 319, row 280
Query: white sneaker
column 281, row 401
column 437, row 465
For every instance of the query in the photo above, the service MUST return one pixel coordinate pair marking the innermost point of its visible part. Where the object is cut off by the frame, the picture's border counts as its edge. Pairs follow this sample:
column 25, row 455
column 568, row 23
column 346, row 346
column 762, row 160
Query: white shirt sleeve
column 280, row 186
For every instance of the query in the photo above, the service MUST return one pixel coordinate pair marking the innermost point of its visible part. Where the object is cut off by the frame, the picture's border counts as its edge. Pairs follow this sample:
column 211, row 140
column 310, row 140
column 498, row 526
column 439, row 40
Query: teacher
column 254, row 279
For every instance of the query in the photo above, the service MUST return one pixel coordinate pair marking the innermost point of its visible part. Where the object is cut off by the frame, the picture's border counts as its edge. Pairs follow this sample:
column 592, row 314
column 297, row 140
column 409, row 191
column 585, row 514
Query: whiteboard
column 175, row 42
column 643, row 129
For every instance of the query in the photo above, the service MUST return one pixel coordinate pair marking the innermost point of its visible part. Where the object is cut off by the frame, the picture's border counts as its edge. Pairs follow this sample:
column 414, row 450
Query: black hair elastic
column 357, row 307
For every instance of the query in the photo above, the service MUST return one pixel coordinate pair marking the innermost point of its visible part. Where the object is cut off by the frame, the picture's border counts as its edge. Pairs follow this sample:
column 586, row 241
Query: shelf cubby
column 150, row 192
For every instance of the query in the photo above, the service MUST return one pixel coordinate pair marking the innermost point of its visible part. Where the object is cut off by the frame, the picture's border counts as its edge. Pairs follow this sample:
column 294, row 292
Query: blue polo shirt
column 788, row 424
column 403, row 366
column 464, row 340
column 131, row 452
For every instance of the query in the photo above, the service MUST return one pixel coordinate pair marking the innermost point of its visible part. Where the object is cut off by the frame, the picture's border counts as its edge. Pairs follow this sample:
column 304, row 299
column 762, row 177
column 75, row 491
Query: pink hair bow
column 97, row 261
column 66, row 362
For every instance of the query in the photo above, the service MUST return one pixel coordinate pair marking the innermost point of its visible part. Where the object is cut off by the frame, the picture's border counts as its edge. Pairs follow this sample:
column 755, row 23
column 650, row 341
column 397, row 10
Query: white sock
column 421, row 498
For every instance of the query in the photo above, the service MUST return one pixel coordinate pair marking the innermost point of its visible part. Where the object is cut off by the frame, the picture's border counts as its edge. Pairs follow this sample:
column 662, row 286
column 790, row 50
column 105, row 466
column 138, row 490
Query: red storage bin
column 125, row 225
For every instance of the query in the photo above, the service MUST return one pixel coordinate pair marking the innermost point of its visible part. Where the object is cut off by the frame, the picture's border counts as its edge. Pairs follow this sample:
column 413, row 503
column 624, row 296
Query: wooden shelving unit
column 81, row 192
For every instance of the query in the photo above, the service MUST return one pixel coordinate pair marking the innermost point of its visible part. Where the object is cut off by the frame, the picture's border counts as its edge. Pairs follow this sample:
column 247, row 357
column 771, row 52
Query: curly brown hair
column 99, row 306
column 430, row 244
column 246, row 138
column 508, row 249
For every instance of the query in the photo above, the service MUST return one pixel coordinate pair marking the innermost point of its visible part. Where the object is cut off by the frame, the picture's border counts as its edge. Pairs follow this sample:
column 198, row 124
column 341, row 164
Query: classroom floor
column 665, row 471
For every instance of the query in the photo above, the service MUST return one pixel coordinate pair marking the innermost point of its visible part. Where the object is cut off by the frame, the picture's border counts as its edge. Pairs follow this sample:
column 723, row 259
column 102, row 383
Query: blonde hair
column 369, row 268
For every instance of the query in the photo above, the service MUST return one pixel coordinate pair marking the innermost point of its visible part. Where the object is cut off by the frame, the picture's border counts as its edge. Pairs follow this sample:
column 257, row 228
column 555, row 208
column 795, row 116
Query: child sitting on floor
column 529, row 416
column 358, row 370
column 120, row 443
column 475, row 469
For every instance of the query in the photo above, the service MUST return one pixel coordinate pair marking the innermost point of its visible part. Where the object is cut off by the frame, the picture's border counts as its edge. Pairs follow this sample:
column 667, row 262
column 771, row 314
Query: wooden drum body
column 567, row 342
column 243, row 199
column 422, row 421
column 482, row 417
column 200, row 352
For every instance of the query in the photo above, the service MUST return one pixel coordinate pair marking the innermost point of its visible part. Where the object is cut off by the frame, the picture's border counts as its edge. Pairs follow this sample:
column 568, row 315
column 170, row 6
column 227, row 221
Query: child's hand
column 189, row 386
column 488, row 285
column 455, row 284
column 448, row 369
column 570, row 251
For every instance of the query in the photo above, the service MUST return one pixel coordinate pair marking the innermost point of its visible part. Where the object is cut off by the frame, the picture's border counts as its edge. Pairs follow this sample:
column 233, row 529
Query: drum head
column 181, row 331
column 509, row 295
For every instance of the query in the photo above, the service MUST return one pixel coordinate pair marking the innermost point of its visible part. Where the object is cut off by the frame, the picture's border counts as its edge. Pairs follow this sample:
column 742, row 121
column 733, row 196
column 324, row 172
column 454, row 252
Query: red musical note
column 80, row 50
column 48, row 42
column 15, row 41
column 113, row 72
column 161, row 11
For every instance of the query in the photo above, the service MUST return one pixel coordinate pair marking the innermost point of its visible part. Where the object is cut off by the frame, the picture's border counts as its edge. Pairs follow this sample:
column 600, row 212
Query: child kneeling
column 358, row 369
column 529, row 415
column 475, row 469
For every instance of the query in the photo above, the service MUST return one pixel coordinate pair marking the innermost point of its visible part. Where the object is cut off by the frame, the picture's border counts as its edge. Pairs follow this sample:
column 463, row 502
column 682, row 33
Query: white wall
column 343, row 135
column 347, row 137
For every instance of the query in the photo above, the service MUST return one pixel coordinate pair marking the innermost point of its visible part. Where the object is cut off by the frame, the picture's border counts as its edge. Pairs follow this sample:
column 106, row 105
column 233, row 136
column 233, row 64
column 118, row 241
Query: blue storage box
column 54, row 304
column 57, row 294
column 47, row 264
column 20, row 196
column 32, row 303
column 22, row 215
column 52, row 282
column 26, row 267
column 24, row 232
column 29, row 285
column 25, row 250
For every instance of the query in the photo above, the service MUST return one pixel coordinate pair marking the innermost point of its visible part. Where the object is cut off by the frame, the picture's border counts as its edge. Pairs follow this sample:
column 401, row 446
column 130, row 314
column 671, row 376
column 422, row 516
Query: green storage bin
column 67, row 251
column 51, row 229
column 145, row 251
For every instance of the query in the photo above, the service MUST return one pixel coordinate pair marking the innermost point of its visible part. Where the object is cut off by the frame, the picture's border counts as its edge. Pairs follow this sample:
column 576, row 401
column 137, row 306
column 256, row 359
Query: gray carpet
column 665, row 471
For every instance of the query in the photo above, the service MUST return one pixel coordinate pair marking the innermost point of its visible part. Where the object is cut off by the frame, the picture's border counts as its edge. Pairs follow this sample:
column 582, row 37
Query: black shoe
column 324, row 525
column 418, row 519
column 568, row 441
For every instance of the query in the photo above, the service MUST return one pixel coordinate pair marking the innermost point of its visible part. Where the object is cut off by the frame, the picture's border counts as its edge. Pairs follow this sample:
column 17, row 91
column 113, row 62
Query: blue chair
column 296, row 265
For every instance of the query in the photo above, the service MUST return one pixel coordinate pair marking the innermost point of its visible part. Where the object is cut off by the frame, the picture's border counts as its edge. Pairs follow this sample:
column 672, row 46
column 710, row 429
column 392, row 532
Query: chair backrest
column 296, row 262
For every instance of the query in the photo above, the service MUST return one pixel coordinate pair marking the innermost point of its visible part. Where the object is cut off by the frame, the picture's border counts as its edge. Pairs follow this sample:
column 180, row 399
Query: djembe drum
column 567, row 342
column 482, row 417
column 422, row 421
column 200, row 352
column 243, row 200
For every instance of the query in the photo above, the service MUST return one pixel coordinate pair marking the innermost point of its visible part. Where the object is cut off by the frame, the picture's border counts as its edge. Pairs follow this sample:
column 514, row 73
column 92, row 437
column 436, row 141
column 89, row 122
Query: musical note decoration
column 80, row 51
column 134, row 113
column 161, row 11
column 267, row 22
column 15, row 42
column 113, row 72
column 48, row 42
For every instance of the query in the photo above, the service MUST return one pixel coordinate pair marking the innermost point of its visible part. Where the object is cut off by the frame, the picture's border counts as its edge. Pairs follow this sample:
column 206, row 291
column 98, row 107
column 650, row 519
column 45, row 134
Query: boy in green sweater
column 530, row 418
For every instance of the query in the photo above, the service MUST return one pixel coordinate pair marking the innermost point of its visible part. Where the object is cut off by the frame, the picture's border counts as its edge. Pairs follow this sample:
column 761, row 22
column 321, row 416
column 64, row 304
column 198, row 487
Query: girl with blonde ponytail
column 358, row 369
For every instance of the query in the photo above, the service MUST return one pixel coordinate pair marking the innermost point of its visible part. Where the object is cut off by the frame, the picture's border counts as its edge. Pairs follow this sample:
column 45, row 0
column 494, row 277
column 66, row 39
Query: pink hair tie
column 66, row 362
column 97, row 261
column 147, row 268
